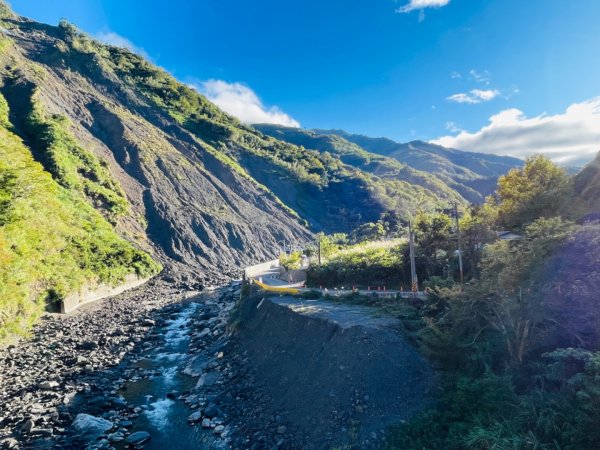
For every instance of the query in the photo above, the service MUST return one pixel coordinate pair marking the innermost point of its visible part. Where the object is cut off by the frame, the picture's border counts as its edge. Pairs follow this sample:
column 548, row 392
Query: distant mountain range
column 472, row 175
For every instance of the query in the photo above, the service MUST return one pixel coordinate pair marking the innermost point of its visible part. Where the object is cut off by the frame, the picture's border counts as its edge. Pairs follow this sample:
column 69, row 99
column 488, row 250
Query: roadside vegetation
column 518, row 343
column 52, row 241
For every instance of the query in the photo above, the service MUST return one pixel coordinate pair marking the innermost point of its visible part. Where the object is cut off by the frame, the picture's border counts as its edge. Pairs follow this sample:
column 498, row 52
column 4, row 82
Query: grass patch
column 72, row 166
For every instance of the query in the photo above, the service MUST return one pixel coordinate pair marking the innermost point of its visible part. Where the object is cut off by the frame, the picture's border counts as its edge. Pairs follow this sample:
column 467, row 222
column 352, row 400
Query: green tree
column 477, row 230
column 368, row 232
column 433, row 233
column 506, row 301
column 539, row 189
column 292, row 261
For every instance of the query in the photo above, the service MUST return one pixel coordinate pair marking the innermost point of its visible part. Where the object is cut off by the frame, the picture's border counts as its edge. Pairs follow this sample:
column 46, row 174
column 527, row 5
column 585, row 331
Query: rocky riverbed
column 160, row 367
column 92, row 379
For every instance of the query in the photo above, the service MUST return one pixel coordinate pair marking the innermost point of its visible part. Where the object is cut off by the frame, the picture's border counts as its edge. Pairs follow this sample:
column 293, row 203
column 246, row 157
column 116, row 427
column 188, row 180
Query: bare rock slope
column 189, row 204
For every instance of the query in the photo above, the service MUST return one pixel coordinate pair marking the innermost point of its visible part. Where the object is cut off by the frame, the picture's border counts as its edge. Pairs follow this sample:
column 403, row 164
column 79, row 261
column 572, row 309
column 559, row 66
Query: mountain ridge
column 472, row 175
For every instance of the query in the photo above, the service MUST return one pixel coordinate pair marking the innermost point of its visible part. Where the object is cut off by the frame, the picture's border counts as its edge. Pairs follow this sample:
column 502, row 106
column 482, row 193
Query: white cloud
column 422, row 4
column 455, row 75
column 481, row 77
column 571, row 138
column 452, row 127
column 242, row 102
column 116, row 40
column 475, row 96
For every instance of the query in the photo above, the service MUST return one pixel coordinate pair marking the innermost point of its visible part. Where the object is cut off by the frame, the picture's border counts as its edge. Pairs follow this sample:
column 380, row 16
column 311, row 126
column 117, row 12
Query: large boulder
column 90, row 427
column 137, row 438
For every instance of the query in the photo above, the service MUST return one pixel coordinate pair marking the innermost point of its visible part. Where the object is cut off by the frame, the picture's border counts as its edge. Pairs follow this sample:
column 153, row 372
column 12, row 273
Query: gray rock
column 116, row 437
column 9, row 444
column 195, row 417
column 28, row 426
column 281, row 429
column 44, row 432
column 91, row 427
column 211, row 411
column 206, row 423
column 204, row 332
column 137, row 438
column 219, row 429
column 48, row 385
column 88, row 345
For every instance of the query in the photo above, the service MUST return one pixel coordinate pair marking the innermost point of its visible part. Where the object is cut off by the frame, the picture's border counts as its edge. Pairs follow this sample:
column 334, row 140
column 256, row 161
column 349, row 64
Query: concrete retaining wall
column 95, row 292
column 293, row 276
column 258, row 269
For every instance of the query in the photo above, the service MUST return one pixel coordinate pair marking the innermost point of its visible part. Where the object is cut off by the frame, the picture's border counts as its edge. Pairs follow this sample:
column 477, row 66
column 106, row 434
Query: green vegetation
column 4, row 121
column 5, row 10
column 293, row 261
column 71, row 165
column 450, row 174
column 540, row 189
column 353, row 155
column 376, row 263
column 52, row 241
column 519, row 343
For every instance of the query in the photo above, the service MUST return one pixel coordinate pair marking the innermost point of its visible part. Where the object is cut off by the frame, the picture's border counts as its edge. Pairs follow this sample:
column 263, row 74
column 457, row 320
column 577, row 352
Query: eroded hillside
column 79, row 108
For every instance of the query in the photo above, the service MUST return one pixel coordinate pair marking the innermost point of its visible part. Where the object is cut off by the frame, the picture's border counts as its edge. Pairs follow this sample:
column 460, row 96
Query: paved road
column 346, row 316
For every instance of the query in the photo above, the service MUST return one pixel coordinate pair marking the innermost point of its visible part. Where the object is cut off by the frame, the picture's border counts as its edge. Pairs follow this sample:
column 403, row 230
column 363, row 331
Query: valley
column 414, row 295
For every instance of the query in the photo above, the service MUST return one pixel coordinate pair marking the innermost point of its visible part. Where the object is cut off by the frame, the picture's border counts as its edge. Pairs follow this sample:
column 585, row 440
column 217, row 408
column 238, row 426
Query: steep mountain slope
column 173, row 151
column 188, row 201
column 587, row 187
column 473, row 175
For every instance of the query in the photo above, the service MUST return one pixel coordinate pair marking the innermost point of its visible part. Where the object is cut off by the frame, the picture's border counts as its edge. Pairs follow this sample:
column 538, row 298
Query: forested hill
column 474, row 175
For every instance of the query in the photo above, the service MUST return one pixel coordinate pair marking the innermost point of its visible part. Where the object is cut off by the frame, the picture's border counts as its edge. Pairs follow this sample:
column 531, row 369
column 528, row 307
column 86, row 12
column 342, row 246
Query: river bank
column 96, row 378
column 160, row 367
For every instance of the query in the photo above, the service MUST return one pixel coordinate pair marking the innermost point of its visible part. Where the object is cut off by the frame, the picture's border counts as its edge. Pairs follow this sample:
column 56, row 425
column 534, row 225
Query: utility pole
column 319, row 245
column 460, row 262
column 414, row 283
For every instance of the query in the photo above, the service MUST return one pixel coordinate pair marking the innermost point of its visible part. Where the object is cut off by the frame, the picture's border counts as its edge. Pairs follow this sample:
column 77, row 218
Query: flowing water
column 166, row 418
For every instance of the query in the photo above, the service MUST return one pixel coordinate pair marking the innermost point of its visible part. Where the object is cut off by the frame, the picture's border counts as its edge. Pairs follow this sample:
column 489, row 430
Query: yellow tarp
column 278, row 290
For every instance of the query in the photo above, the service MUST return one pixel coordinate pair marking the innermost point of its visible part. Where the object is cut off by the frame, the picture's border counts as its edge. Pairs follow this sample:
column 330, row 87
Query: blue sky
column 408, row 69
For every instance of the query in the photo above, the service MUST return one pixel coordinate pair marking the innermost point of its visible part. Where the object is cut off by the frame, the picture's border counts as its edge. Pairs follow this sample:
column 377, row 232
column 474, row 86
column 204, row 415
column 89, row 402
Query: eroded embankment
column 324, row 377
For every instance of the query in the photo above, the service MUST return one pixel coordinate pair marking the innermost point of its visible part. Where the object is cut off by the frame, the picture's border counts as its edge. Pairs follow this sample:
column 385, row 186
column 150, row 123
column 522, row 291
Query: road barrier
column 259, row 269
column 277, row 290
